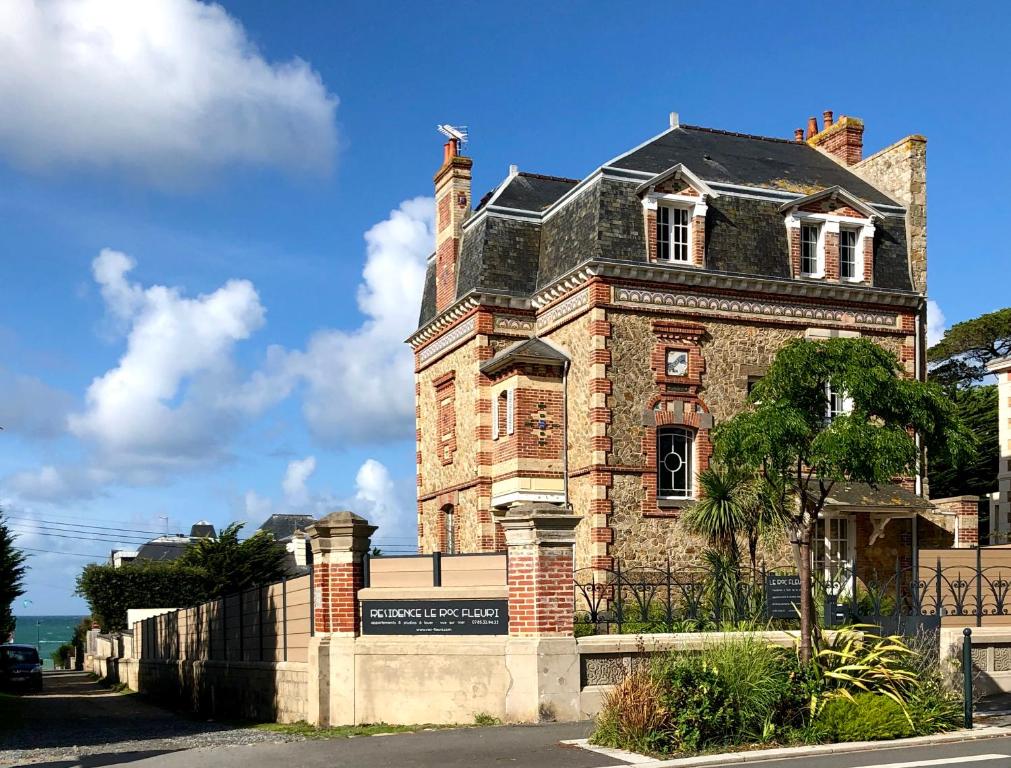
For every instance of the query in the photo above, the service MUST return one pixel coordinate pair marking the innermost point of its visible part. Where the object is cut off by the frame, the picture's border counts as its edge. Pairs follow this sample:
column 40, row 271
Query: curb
column 782, row 753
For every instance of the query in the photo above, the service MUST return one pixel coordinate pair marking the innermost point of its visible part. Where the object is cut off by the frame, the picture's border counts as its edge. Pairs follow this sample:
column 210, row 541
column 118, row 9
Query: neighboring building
column 579, row 338
column 290, row 531
column 167, row 547
column 1001, row 505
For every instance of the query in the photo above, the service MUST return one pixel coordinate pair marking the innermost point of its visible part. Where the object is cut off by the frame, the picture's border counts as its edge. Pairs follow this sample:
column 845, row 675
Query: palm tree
column 726, row 508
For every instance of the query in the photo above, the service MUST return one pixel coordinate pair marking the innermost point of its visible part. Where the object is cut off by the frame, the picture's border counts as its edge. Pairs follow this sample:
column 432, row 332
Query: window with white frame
column 675, row 449
column 833, row 552
column 673, row 233
column 503, row 414
column 838, row 402
column 810, row 249
column 848, row 261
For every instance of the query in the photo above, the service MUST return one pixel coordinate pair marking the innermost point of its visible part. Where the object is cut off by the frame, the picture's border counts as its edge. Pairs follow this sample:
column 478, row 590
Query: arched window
column 449, row 524
column 675, row 463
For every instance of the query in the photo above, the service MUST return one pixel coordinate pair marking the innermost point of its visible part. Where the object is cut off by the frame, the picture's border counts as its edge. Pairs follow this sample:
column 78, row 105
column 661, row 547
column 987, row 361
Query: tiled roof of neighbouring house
column 283, row 527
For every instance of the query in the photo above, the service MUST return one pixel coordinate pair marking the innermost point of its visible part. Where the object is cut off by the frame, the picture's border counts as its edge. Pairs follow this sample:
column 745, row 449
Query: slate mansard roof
column 533, row 229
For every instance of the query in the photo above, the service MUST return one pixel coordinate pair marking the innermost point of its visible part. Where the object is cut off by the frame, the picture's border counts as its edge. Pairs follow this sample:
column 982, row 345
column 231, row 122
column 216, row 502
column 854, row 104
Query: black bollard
column 967, row 674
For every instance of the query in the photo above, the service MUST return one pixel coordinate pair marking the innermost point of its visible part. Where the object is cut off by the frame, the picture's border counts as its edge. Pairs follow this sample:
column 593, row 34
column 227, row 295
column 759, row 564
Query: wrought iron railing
column 651, row 599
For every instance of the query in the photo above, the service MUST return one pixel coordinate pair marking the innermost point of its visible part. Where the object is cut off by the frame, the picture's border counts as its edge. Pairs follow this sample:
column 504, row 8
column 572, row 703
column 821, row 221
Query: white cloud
column 163, row 88
column 377, row 497
column 162, row 406
column 935, row 323
column 360, row 383
column 295, row 479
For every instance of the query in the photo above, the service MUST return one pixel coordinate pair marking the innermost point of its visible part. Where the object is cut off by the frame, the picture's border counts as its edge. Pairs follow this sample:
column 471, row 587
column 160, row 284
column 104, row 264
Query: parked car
column 20, row 667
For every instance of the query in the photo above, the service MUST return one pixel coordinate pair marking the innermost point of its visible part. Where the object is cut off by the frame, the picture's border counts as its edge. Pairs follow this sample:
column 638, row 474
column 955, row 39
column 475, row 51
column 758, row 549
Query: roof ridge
column 546, row 177
column 742, row 135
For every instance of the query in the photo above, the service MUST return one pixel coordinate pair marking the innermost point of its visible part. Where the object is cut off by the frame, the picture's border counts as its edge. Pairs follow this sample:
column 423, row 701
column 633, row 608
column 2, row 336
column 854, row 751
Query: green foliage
column 786, row 433
column 110, row 591
column 787, row 438
column 854, row 660
column 727, row 499
column 12, row 574
column 483, row 718
column 687, row 702
column 960, row 357
column 229, row 564
column 61, row 656
column 974, row 475
column 864, row 717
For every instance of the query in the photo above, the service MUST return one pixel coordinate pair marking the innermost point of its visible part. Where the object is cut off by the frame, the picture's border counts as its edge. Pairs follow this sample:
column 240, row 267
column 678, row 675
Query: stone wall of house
column 901, row 171
column 575, row 339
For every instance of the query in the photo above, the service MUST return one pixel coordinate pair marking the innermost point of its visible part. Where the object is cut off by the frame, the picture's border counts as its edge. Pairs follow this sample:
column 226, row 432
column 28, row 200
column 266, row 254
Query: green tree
column 788, row 438
column 974, row 475
column 12, row 574
column 960, row 358
column 958, row 362
column 110, row 592
column 229, row 564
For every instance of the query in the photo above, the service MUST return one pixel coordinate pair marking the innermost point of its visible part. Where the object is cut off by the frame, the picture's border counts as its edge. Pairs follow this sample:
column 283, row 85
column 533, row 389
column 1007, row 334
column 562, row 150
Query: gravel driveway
column 76, row 717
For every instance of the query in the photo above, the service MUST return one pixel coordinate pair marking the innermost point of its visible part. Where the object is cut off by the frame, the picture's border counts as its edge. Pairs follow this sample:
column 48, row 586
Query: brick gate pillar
column 339, row 543
column 542, row 654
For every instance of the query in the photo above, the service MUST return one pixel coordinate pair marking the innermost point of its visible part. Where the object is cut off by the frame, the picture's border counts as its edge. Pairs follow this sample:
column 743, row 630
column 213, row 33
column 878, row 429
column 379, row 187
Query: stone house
column 579, row 338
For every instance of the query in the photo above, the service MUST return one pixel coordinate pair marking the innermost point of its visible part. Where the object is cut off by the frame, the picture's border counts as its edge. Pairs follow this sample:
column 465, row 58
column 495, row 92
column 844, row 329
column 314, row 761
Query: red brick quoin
column 339, row 542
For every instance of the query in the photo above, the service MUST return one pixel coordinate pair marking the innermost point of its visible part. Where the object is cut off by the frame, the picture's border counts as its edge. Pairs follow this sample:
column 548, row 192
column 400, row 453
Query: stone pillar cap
column 556, row 522
column 340, row 530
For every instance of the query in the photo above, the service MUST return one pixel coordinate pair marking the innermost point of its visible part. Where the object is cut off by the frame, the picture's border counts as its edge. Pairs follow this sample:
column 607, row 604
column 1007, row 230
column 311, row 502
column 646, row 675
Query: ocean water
column 47, row 633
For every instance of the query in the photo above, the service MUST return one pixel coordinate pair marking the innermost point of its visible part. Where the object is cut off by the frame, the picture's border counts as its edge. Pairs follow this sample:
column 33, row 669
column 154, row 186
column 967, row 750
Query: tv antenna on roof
column 453, row 132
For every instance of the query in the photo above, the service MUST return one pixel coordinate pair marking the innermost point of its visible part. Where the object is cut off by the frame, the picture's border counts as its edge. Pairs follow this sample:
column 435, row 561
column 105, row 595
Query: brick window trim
column 829, row 228
column 445, row 396
column 688, row 416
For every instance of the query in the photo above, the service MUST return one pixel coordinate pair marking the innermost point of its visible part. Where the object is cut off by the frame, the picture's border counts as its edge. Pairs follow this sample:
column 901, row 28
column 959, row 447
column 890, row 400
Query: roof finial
column 675, row 121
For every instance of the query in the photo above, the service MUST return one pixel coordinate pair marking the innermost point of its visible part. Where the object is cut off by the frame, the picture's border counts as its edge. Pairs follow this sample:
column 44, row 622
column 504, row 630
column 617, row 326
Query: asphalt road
column 534, row 747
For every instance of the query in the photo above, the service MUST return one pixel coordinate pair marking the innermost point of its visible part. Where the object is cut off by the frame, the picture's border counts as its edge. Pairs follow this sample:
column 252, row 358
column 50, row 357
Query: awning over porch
column 884, row 498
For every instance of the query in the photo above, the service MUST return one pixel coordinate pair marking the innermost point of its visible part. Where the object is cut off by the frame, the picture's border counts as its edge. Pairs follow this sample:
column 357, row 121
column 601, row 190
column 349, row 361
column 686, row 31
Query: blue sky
column 214, row 219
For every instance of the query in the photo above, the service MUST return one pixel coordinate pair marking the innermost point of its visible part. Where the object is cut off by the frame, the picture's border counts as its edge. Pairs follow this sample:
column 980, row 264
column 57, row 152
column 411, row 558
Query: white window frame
column 510, row 414
column 836, row 396
column 858, row 254
column 827, row 224
column 693, row 206
column 692, row 457
column 829, row 563
column 819, row 249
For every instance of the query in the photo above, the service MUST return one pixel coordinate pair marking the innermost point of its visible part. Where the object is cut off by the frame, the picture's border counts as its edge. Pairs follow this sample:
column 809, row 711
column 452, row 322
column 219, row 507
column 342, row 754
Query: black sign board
column 435, row 617
column 782, row 596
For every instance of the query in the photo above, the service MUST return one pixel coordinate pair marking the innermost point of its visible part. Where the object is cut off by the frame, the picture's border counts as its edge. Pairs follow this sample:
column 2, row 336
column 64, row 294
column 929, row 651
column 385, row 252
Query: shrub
column 696, row 694
column 864, row 717
column 632, row 716
column 760, row 683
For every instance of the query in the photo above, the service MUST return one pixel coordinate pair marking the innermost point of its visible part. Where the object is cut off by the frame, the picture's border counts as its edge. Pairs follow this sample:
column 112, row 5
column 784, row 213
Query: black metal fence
column 652, row 599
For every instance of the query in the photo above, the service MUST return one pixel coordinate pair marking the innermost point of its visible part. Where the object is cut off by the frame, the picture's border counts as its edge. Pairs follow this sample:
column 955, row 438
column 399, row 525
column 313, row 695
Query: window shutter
column 494, row 418
column 510, row 410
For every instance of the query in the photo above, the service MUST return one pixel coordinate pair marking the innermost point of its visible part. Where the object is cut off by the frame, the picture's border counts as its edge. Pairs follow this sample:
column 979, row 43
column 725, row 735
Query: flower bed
column 744, row 693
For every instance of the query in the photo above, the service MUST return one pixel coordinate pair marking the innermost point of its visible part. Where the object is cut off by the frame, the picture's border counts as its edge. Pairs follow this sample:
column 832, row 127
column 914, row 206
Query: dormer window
column 673, row 233
column 811, row 254
column 831, row 236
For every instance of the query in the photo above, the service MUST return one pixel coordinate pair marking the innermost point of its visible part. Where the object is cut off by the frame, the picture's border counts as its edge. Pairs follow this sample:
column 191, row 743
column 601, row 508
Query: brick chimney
column 452, row 207
column 843, row 139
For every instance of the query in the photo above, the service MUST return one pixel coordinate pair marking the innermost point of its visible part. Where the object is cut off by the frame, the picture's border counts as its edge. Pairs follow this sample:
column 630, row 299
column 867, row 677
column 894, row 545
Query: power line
column 84, row 525
column 72, row 554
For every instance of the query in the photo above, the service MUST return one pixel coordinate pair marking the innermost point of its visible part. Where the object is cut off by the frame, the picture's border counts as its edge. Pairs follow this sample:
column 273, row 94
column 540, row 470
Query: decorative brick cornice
column 448, row 340
column 697, row 302
column 560, row 311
